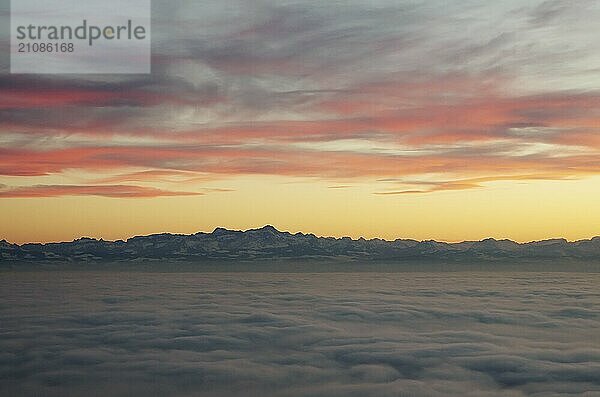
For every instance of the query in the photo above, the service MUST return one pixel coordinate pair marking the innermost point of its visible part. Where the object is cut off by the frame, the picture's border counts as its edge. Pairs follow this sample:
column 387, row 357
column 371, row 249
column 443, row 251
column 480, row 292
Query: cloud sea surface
column 260, row 334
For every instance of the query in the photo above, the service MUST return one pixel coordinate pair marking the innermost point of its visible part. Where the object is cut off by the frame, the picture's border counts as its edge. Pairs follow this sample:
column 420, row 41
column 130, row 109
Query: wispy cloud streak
column 113, row 191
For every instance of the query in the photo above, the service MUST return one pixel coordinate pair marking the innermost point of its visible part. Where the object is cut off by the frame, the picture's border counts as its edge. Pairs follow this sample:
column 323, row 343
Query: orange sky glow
column 402, row 122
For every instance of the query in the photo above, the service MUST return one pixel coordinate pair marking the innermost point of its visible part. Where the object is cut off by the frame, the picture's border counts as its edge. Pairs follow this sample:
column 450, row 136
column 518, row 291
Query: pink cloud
column 112, row 191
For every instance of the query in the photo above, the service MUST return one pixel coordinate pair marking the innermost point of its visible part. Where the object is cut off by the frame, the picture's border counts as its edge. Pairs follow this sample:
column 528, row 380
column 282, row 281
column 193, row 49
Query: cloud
column 436, row 186
column 114, row 191
column 171, row 176
column 299, row 334
column 548, row 11
column 272, row 88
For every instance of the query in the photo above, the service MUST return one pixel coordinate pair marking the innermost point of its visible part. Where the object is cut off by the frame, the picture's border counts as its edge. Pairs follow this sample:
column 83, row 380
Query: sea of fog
column 329, row 334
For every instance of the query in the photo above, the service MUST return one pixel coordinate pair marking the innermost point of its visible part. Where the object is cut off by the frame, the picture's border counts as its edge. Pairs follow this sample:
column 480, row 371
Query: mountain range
column 268, row 243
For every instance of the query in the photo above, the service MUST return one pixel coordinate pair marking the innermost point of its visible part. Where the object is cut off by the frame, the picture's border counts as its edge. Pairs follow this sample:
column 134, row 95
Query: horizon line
column 299, row 232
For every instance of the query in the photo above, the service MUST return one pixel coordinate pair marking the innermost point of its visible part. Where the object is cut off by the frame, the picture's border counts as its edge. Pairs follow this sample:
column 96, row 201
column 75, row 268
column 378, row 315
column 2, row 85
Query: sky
column 447, row 120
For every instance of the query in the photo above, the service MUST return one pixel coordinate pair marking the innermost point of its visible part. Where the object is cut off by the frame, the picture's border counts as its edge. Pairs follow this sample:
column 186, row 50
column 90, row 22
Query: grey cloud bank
column 194, row 334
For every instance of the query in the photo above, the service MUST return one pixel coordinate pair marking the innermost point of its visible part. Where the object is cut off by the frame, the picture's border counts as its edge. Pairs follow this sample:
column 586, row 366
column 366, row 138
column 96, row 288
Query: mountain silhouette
column 267, row 243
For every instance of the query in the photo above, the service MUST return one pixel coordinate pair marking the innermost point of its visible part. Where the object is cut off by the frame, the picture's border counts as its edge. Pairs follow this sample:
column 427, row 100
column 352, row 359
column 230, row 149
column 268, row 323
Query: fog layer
column 193, row 334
